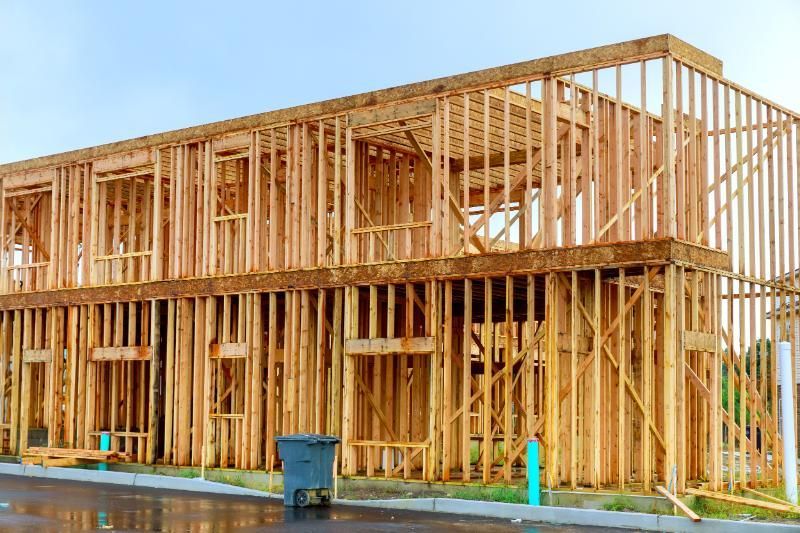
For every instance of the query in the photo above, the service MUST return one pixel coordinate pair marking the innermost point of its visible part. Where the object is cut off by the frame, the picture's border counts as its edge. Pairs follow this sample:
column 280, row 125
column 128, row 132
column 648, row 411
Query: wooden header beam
column 699, row 341
column 656, row 252
column 121, row 353
column 389, row 346
column 602, row 56
column 228, row 350
column 37, row 356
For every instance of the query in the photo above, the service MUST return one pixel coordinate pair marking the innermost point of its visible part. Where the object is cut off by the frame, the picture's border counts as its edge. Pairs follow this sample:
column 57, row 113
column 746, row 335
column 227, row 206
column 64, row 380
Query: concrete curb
column 132, row 480
column 71, row 474
column 509, row 511
column 196, row 485
column 569, row 516
column 596, row 518
column 410, row 504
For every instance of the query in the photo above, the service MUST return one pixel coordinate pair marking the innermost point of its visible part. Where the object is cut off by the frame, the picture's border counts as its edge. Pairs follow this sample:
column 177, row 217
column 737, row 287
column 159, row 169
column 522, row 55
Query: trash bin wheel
column 302, row 498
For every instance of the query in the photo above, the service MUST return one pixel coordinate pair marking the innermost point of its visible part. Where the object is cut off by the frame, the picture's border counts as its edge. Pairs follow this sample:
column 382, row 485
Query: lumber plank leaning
column 730, row 498
column 678, row 503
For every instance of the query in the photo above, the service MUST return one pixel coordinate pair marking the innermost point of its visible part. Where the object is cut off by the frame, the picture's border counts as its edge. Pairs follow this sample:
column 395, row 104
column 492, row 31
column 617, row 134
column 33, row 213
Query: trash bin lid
column 308, row 437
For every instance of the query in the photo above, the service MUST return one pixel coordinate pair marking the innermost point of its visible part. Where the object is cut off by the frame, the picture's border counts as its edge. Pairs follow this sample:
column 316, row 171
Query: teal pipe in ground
column 105, row 445
column 533, row 472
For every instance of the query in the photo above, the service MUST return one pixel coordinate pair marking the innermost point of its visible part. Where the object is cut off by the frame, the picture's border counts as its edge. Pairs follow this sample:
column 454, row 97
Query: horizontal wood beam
column 389, row 346
column 121, row 353
column 374, row 117
column 624, row 52
column 699, row 341
column 37, row 356
column 515, row 157
column 228, row 350
column 388, row 444
column 630, row 254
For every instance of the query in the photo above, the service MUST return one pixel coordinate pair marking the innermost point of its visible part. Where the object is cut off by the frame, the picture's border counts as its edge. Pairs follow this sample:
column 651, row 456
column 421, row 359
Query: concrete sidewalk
column 550, row 515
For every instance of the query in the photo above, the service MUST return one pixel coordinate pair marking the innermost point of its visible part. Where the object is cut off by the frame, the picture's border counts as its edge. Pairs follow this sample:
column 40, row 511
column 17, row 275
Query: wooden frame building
column 584, row 248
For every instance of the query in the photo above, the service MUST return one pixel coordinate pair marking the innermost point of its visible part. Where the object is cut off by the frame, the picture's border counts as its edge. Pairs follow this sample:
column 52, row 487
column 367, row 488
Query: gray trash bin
column 307, row 468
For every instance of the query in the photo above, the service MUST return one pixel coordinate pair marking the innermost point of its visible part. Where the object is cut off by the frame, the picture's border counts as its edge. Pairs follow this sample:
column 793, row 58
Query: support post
column 787, row 426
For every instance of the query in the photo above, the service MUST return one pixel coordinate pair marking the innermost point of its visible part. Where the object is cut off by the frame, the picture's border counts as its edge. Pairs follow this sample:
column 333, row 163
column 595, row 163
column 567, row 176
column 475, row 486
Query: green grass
column 234, row 480
column 620, row 503
column 475, row 451
column 493, row 494
column 709, row 508
column 188, row 473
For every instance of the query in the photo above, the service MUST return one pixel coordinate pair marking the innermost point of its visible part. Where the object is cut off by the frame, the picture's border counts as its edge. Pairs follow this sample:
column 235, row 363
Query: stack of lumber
column 70, row 456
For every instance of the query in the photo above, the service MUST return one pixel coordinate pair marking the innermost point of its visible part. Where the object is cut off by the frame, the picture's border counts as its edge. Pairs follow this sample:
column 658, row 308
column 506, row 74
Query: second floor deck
column 630, row 142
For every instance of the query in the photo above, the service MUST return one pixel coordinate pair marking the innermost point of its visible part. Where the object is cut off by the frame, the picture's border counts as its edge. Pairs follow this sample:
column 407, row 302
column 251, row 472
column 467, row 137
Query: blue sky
column 83, row 73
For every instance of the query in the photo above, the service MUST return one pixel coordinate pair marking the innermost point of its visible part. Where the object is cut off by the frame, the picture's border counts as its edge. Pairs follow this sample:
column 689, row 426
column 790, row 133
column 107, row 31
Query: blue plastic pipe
column 533, row 471
column 105, row 445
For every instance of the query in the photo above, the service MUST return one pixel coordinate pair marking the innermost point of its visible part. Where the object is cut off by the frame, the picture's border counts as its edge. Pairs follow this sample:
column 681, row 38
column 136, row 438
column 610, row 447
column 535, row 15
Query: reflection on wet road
column 30, row 504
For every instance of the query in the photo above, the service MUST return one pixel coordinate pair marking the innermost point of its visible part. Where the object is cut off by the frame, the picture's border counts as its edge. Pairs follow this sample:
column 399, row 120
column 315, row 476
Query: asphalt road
column 41, row 505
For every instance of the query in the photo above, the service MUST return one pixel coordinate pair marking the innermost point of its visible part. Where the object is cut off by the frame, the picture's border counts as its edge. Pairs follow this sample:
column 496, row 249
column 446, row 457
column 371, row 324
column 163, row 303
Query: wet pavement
column 43, row 505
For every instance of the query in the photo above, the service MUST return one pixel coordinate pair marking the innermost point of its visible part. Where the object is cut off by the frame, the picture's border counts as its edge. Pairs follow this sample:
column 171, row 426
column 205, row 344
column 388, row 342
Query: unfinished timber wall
column 598, row 249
